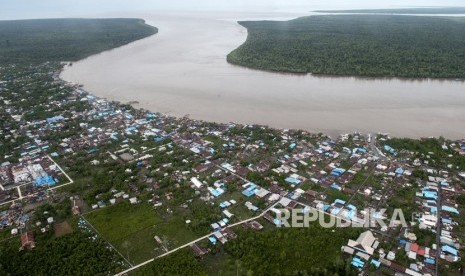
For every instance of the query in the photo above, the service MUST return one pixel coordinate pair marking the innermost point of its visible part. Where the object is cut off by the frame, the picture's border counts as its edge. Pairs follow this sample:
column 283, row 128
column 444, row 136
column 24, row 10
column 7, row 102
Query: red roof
column 414, row 247
column 421, row 251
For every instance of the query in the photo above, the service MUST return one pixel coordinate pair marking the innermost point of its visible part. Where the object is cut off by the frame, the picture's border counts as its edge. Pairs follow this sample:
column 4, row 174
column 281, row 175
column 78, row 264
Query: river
column 182, row 70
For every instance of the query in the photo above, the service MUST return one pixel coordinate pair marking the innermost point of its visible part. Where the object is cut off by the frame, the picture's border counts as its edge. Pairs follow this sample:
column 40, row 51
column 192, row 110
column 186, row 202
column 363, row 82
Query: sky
column 21, row 9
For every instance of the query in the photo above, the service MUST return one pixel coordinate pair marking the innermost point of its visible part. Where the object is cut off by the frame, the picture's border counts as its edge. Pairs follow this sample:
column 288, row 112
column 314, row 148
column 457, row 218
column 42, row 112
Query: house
column 198, row 251
column 27, row 241
column 366, row 243
column 76, row 211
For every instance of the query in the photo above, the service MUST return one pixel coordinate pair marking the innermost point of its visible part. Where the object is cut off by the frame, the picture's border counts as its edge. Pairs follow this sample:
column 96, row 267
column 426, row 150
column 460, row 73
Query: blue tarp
column 292, row 146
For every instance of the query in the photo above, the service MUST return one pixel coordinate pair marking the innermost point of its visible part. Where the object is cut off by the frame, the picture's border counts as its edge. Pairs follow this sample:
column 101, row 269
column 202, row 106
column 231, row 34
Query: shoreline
column 327, row 133
column 173, row 83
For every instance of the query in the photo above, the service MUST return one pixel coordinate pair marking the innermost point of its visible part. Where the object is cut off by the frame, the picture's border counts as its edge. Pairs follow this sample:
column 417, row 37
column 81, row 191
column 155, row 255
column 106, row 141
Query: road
column 438, row 230
column 194, row 241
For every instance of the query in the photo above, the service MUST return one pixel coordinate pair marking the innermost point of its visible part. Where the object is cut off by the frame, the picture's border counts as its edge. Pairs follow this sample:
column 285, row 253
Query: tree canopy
column 357, row 45
column 42, row 40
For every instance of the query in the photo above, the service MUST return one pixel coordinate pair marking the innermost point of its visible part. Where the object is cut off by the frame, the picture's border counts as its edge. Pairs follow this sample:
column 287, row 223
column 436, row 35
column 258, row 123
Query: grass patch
column 132, row 228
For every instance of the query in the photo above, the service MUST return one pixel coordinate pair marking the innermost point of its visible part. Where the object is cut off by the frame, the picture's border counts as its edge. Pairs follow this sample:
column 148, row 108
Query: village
column 193, row 183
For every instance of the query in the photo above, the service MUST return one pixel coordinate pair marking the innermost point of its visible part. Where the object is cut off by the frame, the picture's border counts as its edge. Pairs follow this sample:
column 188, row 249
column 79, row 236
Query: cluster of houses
column 340, row 177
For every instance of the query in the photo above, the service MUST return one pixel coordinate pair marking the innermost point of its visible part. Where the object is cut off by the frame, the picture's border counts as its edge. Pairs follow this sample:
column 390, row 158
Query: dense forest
column 42, row 40
column 73, row 254
column 293, row 251
column 357, row 45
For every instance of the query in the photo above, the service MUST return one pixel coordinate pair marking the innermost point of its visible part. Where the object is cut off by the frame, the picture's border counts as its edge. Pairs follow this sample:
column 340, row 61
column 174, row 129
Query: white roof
column 196, row 182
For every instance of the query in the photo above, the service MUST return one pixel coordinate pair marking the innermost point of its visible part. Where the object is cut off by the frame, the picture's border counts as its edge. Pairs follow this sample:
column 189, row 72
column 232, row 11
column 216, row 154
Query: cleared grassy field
column 132, row 228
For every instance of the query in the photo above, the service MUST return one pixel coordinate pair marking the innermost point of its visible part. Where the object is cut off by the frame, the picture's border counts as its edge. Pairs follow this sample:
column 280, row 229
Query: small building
column 126, row 157
column 27, row 241
column 198, row 251
column 76, row 211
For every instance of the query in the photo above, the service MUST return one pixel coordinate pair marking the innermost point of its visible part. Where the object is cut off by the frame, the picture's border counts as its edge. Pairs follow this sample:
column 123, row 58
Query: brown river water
column 182, row 70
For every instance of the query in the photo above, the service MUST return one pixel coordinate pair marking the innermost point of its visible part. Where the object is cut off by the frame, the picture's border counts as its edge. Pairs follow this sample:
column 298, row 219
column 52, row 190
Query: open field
column 132, row 228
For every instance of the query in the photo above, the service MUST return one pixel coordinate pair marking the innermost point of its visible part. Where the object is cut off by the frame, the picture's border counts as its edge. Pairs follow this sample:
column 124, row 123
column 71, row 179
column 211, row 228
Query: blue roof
column 429, row 194
column 292, row 145
column 399, row 171
column 445, row 220
column 55, row 119
column 335, row 211
column 449, row 209
column 351, row 207
column 390, row 150
column 449, row 249
column 338, row 171
column 293, row 180
column 158, row 139
column 46, row 180
column 376, row 263
column 357, row 262
column 351, row 214
column 340, row 201
column 335, row 186
column 212, row 240
column 359, row 150
column 430, row 261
